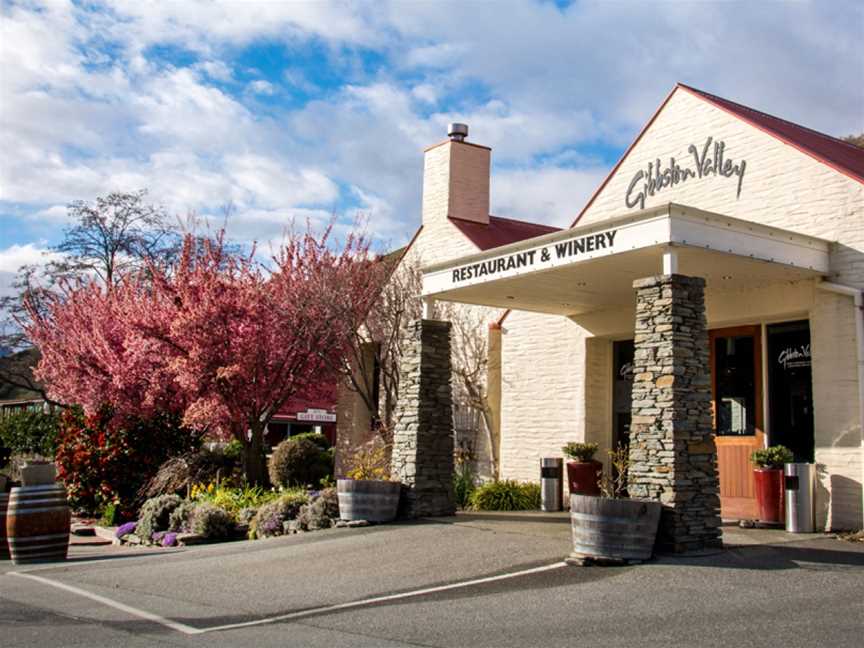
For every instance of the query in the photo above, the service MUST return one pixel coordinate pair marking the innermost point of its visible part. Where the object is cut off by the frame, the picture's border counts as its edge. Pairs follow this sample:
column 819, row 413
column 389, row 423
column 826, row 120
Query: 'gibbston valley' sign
column 656, row 177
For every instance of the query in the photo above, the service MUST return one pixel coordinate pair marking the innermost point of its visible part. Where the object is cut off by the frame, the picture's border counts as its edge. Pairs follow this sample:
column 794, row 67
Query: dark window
column 622, row 381
column 735, row 361
column 790, row 384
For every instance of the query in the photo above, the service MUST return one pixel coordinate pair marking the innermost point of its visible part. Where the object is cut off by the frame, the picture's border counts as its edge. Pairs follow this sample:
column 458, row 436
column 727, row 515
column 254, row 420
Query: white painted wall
column 545, row 368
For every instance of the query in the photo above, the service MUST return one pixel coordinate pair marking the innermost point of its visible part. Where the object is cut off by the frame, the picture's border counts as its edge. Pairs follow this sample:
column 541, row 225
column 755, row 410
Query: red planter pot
column 584, row 477
column 769, row 494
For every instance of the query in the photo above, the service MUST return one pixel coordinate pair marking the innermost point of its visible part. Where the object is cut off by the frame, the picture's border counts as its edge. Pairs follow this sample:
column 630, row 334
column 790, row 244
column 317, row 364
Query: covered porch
column 644, row 276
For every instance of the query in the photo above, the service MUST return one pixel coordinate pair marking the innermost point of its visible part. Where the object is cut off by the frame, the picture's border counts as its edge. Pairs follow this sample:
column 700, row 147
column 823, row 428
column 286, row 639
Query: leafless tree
column 470, row 361
column 116, row 234
column 372, row 364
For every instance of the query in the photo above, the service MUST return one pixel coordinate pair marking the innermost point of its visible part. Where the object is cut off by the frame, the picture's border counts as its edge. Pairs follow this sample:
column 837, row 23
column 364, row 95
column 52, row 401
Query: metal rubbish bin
column 798, row 483
column 551, row 473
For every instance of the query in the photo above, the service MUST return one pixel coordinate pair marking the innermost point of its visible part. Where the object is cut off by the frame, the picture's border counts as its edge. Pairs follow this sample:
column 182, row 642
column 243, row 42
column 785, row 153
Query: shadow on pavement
column 770, row 557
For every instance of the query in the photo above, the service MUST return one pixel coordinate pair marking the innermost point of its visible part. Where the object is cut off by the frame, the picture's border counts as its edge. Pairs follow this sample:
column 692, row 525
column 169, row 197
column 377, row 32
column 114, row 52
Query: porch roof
column 592, row 267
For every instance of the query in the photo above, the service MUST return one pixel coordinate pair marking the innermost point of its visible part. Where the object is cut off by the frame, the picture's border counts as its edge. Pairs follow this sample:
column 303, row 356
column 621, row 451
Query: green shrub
column 155, row 515
column 246, row 515
column 464, row 485
column 270, row 517
column 30, row 432
column 773, row 457
column 178, row 520
column 210, row 521
column 299, row 461
column 506, row 495
column 234, row 500
column 178, row 474
column 320, row 512
column 315, row 437
column 580, row 451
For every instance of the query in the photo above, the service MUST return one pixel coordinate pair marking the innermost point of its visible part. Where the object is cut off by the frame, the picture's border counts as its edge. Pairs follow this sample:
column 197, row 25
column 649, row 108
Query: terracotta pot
column 620, row 529
column 769, row 494
column 584, row 477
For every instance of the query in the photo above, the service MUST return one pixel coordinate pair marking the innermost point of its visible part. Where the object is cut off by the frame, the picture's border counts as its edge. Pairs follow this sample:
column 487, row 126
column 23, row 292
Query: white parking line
column 168, row 623
column 189, row 630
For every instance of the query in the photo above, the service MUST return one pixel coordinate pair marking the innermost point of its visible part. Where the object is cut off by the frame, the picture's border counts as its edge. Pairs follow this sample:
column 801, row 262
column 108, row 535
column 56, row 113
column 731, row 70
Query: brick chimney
column 456, row 179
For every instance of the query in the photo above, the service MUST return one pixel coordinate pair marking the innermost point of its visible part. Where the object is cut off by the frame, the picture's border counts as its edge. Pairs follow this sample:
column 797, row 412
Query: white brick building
column 769, row 213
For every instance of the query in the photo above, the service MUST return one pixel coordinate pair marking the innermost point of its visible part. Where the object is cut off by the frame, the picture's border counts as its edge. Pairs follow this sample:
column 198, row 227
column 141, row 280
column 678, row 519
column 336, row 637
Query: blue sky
column 295, row 110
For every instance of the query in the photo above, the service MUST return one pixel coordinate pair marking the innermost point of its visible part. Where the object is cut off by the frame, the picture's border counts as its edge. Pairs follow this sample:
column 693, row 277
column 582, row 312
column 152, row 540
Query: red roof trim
column 761, row 121
column 499, row 231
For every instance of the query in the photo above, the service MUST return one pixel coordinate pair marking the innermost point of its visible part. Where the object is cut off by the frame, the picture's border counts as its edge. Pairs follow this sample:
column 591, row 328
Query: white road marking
column 381, row 599
column 189, row 630
column 168, row 623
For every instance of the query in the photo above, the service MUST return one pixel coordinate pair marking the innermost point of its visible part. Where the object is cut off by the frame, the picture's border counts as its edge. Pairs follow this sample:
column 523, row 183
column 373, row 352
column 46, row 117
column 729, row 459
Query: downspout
column 858, row 297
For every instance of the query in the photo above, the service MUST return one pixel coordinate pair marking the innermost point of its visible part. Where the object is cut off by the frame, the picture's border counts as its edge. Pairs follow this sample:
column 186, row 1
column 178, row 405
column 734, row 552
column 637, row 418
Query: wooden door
column 736, row 392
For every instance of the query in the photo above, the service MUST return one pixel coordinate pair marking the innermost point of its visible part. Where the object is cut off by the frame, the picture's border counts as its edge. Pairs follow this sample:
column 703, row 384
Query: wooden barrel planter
column 366, row 499
column 613, row 529
column 37, row 524
column 4, row 546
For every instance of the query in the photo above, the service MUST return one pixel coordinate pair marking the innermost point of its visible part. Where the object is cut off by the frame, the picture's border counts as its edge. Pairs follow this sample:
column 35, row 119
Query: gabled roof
column 842, row 156
column 500, row 231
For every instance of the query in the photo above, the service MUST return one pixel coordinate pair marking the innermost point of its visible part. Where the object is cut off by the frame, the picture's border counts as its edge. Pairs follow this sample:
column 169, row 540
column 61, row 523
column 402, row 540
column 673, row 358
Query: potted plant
column 768, row 475
column 583, row 472
column 369, row 493
column 613, row 527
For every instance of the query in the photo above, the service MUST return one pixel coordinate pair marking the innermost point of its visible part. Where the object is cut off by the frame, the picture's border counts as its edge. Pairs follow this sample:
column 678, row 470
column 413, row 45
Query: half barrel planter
column 367, row 499
column 613, row 529
column 37, row 524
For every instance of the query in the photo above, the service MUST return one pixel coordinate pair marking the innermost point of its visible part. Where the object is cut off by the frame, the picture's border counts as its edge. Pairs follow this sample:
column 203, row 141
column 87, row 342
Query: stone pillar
column 423, row 423
column 673, row 457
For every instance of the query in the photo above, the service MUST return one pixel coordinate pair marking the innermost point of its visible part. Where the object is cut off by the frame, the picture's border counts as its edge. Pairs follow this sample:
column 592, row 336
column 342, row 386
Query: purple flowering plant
column 125, row 529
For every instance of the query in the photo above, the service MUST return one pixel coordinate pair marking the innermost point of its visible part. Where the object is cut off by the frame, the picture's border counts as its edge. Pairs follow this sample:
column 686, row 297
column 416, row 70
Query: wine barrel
column 617, row 529
column 4, row 546
column 367, row 499
column 37, row 524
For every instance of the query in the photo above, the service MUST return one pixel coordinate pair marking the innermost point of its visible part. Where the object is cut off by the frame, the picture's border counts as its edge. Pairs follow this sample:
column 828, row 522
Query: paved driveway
column 471, row 580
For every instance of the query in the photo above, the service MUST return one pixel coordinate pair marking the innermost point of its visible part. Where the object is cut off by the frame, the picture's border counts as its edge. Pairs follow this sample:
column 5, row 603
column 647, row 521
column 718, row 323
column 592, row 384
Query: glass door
column 736, row 379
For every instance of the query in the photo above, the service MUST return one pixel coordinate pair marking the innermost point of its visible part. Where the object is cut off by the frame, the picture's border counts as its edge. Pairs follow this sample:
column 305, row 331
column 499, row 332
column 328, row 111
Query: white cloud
column 15, row 256
column 261, row 87
column 550, row 195
column 534, row 82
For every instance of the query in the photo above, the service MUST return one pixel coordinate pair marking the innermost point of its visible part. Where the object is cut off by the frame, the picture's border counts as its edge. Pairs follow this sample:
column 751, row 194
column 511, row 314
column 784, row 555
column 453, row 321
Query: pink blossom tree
column 216, row 337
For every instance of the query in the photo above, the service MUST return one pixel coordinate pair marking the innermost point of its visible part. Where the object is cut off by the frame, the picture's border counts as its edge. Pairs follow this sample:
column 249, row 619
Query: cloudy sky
column 289, row 110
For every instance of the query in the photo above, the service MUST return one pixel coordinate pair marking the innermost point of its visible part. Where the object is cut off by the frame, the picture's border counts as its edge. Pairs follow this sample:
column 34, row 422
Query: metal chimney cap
column 457, row 132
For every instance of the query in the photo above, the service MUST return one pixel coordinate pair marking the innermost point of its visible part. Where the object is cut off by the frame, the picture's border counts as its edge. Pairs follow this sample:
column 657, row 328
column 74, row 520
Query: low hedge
column 506, row 495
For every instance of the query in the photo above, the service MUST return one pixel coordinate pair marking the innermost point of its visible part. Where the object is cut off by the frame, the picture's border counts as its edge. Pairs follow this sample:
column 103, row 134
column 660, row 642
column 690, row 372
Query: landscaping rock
column 82, row 530
column 186, row 539
column 357, row 523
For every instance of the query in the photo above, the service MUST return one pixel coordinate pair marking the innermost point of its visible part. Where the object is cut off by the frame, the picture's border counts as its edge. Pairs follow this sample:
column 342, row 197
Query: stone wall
column 673, row 457
column 423, row 423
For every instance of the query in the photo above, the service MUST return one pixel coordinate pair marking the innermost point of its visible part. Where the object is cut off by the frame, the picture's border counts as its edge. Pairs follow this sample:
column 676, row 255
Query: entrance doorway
column 736, row 395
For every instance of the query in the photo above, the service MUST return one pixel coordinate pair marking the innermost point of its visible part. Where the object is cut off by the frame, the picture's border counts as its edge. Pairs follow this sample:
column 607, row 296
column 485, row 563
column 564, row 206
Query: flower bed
column 214, row 513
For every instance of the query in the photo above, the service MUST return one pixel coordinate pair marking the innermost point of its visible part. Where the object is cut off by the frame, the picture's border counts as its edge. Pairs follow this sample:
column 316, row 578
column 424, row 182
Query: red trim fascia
column 624, row 157
column 819, row 158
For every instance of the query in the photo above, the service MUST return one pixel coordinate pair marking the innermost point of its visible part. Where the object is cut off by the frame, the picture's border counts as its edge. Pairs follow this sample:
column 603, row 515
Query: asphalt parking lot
column 465, row 581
